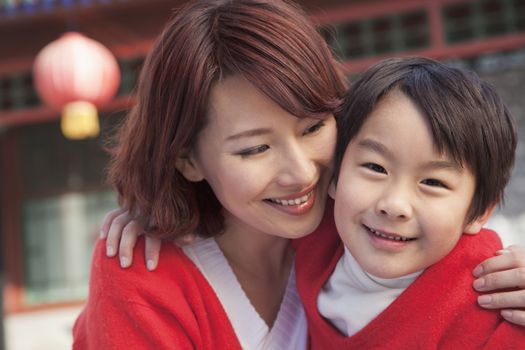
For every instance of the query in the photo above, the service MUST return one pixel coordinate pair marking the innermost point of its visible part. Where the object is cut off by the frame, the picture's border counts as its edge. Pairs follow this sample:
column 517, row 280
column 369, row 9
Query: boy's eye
column 253, row 151
column 375, row 168
column 312, row 129
column 434, row 183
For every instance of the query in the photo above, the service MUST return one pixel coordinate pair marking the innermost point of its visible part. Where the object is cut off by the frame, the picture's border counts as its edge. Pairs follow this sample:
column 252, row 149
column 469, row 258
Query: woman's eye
column 433, row 183
column 375, row 168
column 253, row 151
column 312, row 129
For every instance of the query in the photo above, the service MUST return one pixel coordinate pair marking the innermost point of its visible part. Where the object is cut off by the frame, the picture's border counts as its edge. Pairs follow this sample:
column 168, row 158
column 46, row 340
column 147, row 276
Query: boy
column 424, row 153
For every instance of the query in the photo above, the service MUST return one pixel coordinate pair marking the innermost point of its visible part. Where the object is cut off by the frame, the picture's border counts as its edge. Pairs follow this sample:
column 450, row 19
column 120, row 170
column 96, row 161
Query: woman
column 240, row 94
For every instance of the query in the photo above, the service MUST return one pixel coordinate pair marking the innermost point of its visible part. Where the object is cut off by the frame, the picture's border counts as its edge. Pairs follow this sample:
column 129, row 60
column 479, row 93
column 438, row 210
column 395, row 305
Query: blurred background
column 53, row 194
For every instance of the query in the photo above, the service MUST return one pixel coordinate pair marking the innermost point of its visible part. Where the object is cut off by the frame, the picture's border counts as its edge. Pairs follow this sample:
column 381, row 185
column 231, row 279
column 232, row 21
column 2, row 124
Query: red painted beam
column 43, row 113
column 352, row 12
column 460, row 50
column 122, row 52
column 435, row 18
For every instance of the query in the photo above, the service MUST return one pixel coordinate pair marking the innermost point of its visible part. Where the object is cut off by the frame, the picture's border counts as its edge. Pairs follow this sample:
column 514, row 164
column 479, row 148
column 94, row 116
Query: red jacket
column 438, row 311
column 172, row 307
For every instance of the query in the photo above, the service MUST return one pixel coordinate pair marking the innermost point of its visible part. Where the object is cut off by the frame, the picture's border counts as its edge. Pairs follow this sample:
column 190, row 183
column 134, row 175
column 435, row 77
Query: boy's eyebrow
column 249, row 133
column 433, row 165
column 443, row 164
column 375, row 146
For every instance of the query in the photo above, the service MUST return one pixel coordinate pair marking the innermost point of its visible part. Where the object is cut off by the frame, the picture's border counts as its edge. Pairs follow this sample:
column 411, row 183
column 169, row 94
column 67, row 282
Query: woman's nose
column 297, row 167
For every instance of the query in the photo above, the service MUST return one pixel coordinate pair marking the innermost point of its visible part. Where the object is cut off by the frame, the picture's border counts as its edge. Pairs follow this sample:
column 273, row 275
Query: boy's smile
column 400, row 206
column 395, row 237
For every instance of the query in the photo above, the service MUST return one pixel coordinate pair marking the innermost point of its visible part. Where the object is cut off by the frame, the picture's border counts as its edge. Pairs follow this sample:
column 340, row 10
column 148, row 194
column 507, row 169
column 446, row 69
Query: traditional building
column 52, row 190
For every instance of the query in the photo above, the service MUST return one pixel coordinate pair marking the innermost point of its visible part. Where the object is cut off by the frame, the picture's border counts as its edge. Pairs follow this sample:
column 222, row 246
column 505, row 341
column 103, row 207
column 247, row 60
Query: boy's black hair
column 467, row 118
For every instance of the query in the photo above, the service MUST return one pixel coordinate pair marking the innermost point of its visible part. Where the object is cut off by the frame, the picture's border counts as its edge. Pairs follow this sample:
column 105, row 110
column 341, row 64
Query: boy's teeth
column 295, row 201
column 393, row 238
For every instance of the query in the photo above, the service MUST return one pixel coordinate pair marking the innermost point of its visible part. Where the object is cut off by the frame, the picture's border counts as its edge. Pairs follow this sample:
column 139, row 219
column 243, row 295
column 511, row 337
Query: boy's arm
column 506, row 270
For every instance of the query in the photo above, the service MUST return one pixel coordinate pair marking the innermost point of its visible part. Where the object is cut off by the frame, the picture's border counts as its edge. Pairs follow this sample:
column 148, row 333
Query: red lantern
column 76, row 74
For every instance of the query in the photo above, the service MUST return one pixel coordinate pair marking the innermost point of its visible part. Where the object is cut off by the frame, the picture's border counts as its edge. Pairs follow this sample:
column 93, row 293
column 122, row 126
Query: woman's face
column 268, row 168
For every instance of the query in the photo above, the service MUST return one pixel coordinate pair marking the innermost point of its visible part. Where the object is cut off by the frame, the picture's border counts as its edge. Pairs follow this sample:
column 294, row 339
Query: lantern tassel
column 79, row 120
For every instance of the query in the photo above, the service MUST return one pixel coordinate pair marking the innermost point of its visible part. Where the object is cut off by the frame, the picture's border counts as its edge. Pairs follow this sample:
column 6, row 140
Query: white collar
column 289, row 330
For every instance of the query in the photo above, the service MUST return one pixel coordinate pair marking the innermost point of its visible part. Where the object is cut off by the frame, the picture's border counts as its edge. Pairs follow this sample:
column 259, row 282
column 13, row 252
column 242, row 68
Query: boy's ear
column 331, row 189
column 187, row 166
column 477, row 224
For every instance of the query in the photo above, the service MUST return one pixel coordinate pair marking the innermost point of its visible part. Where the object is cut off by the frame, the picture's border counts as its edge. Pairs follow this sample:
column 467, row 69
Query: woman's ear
column 186, row 165
column 477, row 224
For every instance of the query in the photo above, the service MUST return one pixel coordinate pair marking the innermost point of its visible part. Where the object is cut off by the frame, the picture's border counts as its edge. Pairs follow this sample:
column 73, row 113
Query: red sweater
column 173, row 307
column 439, row 310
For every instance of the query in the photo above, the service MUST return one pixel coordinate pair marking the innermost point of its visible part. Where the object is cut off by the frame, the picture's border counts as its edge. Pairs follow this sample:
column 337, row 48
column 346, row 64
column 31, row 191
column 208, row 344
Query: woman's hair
column 467, row 118
column 270, row 43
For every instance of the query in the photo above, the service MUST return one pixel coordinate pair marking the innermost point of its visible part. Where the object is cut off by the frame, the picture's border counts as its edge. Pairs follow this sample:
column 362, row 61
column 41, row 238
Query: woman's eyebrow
column 249, row 133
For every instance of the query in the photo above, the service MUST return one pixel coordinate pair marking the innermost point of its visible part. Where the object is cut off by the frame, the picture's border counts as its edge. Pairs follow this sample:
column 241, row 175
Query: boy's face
column 400, row 206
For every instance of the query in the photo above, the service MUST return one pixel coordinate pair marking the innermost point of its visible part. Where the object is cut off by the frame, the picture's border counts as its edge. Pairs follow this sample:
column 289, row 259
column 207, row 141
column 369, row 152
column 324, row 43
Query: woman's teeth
column 392, row 238
column 295, row 201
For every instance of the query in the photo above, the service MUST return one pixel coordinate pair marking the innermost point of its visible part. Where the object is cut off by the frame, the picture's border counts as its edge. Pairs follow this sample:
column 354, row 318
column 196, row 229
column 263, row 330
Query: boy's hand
column 505, row 270
column 121, row 233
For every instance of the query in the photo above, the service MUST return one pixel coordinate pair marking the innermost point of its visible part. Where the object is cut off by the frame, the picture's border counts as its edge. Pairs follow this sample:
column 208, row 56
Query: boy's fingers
column 108, row 220
column 115, row 232
column 509, row 258
column 514, row 278
column 152, row 252
column 515, row 299
column 130, row 233
column 514, row 316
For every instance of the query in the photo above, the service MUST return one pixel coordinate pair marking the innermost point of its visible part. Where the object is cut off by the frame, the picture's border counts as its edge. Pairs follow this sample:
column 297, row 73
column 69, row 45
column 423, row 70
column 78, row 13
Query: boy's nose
column 395, row 205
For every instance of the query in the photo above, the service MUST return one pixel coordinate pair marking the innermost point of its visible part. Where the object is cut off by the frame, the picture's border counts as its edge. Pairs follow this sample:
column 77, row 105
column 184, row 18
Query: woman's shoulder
column 170, row 307
column 175, row 275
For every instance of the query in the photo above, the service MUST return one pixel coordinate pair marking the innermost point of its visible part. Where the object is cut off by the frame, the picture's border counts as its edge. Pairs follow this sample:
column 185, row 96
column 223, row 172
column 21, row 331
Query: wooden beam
column 435, row 18
column 139, row 48
column 459, row 50
column 43, row 113
column 352, row 12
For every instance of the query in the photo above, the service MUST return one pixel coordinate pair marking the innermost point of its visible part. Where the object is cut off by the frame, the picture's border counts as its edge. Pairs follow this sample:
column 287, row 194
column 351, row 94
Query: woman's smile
column 297, row 204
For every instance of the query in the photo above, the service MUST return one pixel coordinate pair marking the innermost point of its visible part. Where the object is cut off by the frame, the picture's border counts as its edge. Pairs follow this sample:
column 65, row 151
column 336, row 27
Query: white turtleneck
column 351, row 297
